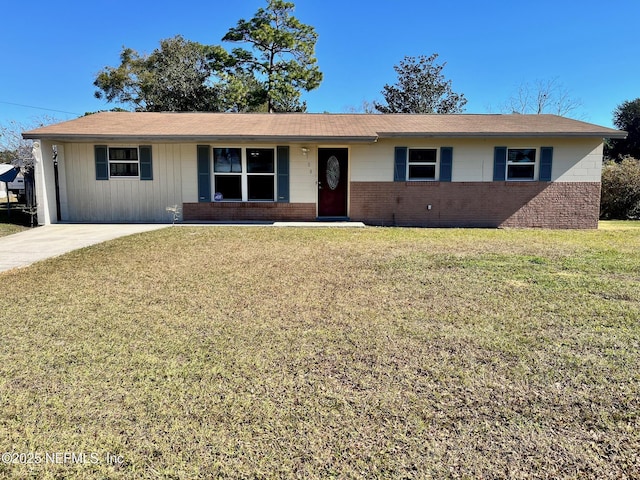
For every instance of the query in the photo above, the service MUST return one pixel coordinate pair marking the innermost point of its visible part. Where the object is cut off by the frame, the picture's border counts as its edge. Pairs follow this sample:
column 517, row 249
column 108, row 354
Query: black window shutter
column 283, row 174
column 499, row 164
column 446, row 163
column 204, row 174
column 400, row 170
column 146, row 164
column 546, row 162
column 102, row 163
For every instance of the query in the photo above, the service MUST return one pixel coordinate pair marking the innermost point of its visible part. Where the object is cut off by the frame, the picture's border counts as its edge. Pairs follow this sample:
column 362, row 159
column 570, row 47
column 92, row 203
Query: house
column 421, row 170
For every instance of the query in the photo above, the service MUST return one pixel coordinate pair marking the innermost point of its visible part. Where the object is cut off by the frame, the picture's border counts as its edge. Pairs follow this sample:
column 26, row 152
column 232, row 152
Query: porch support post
column 45, row 182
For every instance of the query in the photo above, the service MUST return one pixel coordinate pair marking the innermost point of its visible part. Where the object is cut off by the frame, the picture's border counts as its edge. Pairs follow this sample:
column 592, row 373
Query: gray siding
column 121, row 200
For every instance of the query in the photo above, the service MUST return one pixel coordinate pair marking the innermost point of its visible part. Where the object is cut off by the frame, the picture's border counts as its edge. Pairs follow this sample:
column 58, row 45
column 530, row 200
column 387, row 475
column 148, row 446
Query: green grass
column 328, row 353
column 619, row 224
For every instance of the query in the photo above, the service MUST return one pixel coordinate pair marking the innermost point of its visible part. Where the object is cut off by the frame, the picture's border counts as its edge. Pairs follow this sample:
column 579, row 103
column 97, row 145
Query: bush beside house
column 620, row 198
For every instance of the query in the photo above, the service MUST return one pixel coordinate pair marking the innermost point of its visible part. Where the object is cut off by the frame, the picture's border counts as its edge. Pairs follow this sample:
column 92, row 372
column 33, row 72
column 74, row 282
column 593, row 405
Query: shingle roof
column 309, row 127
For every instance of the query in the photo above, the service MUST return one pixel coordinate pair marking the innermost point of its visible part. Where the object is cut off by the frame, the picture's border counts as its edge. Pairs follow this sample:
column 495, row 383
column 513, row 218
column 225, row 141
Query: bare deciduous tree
column 13, row 148
column 543, row 96
column 365, row 107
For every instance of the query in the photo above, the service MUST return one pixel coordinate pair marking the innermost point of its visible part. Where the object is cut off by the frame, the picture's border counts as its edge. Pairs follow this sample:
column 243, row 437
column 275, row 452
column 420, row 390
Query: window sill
column 418, row 183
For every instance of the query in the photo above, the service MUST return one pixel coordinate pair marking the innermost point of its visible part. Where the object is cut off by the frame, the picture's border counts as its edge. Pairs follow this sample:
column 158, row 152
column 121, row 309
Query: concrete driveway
column 24, row 248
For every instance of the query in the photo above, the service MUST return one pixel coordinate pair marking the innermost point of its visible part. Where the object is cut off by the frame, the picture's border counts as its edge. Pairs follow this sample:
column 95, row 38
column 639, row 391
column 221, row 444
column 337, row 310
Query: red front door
column 332, row 182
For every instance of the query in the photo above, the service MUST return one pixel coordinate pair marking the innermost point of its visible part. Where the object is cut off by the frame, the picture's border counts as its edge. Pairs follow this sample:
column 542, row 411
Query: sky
column 51, row 52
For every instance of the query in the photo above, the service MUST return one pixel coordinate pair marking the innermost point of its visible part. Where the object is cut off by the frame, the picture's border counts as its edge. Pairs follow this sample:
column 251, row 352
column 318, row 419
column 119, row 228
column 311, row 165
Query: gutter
column 606, row 134
column 199, row 139
column 362, row 139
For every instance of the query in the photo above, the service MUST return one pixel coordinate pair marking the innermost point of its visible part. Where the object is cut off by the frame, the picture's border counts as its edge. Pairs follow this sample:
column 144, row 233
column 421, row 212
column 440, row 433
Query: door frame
column 348, row 180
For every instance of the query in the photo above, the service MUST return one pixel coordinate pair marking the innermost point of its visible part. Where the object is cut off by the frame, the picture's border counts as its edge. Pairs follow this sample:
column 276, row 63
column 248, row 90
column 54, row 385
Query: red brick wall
column 453, row 204
column 250, row 211
column 477, row 204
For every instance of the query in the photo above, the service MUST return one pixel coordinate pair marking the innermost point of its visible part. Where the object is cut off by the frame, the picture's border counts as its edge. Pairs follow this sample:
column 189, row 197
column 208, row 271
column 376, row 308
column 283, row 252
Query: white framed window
column 261, row 170
column 124, row 162
column 247, row 174
column 227, row 173
column 521, row 163
column 422, row 164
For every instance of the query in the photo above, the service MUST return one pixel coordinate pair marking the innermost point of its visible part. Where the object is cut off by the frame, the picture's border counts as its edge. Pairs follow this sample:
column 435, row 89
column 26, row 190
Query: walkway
column 27, row 247
column 30, row 246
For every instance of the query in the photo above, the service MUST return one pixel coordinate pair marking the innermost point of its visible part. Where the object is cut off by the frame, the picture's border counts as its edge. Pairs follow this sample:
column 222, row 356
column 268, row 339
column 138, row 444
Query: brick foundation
column 249, row 211
column 477, row 204
column 453, row 204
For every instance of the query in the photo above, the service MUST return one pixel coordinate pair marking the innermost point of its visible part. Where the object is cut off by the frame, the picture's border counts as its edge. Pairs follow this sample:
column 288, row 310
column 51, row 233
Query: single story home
column 416, row 170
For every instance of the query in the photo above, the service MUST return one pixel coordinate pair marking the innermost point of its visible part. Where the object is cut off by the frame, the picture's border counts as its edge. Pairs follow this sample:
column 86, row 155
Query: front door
column 332, row 182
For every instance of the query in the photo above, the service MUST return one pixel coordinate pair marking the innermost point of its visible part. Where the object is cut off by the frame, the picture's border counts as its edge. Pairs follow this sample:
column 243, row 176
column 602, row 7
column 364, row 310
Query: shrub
column 621, row 190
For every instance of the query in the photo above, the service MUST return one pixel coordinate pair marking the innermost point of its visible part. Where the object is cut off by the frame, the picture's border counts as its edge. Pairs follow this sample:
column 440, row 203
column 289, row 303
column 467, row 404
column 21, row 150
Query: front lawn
column 257, row 352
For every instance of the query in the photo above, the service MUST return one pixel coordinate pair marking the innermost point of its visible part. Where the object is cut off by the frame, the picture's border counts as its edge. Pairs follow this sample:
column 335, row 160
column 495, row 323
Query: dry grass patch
column 9, row 229
column 283, row 353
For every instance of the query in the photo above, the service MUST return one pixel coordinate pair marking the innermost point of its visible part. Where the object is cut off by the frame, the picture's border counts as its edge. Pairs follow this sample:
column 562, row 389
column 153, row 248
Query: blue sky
column 50, row 52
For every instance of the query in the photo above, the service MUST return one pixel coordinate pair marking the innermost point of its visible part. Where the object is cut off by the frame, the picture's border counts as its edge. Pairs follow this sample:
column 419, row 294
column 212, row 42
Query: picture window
column 250, row 177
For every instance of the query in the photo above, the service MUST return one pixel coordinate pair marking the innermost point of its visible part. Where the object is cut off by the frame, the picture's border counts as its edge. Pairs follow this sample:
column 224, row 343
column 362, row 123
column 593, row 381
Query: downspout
column 57, row 182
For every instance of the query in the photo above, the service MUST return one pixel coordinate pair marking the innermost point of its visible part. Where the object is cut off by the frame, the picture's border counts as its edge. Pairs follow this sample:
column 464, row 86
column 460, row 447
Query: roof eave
column 84, row 138
column 612, row 134
column 200, row 138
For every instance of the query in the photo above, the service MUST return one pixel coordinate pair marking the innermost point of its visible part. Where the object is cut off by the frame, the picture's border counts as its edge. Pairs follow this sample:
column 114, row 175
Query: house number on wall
column 333, row 172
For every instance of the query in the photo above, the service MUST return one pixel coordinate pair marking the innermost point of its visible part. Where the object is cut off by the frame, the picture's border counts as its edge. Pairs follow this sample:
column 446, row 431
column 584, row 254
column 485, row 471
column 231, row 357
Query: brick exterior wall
column 453, row 204
column 477, row 204
column 250, row 211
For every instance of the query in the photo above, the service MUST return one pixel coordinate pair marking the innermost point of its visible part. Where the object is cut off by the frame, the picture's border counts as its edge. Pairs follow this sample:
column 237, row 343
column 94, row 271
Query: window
column 123, row 162
column 248, row 178
column 227, row 170
column 521, row 163
column 422, row 163
column 260, row 170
